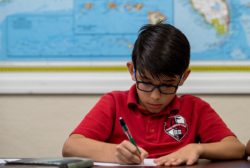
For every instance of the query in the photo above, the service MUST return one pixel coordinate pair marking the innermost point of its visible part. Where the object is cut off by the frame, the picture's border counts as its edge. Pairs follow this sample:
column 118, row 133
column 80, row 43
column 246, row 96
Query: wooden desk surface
column 201, row 164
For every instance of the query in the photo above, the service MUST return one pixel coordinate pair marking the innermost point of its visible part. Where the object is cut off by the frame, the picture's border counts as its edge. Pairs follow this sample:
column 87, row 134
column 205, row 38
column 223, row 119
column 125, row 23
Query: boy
column 173, row 130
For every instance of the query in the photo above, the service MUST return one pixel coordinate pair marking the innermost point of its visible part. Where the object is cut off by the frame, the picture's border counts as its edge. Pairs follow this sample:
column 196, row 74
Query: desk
column 202, row 164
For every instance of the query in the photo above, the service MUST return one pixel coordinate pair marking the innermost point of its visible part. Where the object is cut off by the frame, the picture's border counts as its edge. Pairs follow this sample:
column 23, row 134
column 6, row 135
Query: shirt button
column 152, row 130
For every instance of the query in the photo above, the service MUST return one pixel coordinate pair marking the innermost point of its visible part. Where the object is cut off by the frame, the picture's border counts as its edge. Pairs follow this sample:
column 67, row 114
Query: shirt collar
column 133, row 104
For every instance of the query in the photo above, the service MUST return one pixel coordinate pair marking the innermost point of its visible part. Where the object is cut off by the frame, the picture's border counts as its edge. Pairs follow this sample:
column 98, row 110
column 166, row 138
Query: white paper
column 3, row 161
column 146, row 162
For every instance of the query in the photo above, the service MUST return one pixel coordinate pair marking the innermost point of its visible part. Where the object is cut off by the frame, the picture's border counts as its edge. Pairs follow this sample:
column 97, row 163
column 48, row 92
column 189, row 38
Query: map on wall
column 105, row 30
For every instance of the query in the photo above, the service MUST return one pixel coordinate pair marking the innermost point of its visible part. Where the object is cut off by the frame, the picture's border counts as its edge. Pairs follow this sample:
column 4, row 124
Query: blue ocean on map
column 206, row 43
column 101, row 30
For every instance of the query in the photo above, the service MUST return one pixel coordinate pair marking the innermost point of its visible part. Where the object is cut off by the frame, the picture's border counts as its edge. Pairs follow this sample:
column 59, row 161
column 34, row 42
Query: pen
column 127, row 132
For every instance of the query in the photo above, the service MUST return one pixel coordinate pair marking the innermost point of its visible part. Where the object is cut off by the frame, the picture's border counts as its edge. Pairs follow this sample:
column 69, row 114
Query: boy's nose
column 156, row 94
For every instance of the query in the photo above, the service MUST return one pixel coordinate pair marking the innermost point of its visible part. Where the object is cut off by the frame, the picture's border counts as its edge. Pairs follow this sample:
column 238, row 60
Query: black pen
column 127, row 132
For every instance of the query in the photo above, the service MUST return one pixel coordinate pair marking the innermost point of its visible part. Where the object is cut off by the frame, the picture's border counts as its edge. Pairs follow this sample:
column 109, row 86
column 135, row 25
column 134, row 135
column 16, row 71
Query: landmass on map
column 215, row 12
column 155, row 17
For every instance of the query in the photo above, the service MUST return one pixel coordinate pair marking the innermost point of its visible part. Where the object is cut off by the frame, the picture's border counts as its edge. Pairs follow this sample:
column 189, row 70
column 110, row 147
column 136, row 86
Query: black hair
column 161, row 50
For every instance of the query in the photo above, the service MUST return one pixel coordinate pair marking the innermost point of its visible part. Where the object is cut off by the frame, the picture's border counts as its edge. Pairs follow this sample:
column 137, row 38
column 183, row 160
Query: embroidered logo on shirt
column 176, row 127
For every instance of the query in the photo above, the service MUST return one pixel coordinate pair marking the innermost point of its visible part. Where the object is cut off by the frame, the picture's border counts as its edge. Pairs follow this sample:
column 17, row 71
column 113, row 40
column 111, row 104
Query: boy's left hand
column 188, row 155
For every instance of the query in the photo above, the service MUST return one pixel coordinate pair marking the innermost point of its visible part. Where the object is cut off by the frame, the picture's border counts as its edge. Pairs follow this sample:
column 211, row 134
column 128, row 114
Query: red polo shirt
column 187, row 119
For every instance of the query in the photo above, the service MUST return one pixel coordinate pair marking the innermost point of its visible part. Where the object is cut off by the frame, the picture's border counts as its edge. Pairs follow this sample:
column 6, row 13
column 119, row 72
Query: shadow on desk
column 201, row 164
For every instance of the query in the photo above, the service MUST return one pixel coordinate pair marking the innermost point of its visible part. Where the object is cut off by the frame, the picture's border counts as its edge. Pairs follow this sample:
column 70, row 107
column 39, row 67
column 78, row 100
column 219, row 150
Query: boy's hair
column 161, row 50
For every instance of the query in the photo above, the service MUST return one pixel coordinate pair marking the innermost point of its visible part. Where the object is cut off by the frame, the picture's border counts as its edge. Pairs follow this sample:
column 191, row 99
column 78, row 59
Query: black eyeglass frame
column 157, row 86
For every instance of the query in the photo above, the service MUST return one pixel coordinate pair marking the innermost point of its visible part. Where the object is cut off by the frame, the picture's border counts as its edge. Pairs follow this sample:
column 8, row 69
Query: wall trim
column 102, row 82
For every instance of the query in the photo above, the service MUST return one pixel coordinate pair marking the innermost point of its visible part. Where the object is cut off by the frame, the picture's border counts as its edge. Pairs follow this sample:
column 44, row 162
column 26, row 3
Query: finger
column 122, row 153
column 144, row 153
column 133, row 149
column 128, row 159
column 138, row 156
column 129, row 146
column 177, row 162
column 121, row 159
column 133, row 158
column 191, row 161
column 169, row 162
column 159, row 161
column 126, row 156
column 164, row 161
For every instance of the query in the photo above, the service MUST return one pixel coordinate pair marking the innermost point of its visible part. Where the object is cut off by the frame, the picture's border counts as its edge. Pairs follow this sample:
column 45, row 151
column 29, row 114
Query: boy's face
column 156, row 94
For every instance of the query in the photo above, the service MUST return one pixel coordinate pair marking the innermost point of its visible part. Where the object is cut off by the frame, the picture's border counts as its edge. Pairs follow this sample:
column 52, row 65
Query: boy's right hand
column 126, row 153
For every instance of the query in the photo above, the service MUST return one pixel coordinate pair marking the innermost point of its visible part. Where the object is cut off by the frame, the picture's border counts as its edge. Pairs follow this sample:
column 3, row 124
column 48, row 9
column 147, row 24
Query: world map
column 105, row 30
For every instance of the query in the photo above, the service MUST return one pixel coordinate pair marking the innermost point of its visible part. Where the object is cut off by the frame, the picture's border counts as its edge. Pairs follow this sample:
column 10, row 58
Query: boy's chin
column 154, row 111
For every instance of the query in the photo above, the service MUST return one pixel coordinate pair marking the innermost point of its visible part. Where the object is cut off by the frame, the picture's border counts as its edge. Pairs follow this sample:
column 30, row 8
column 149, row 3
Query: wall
column 37, row 125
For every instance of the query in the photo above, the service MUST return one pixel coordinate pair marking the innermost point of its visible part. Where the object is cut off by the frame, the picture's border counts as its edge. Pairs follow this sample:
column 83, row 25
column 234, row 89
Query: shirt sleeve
column 98, row 123
column 211, row 127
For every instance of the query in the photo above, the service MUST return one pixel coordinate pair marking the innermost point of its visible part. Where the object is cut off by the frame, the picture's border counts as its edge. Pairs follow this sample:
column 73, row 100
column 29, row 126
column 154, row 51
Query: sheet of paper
column 146, row 162
column 3, row 161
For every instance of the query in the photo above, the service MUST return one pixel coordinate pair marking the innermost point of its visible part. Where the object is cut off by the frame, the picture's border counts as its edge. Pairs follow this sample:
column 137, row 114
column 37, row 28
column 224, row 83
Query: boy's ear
column 185, row 76
column 130, row 66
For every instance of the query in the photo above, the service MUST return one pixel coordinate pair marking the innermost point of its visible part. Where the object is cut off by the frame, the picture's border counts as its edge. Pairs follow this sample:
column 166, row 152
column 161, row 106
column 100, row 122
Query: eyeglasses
column 163, row 89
